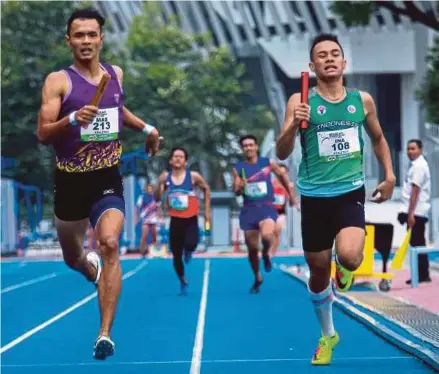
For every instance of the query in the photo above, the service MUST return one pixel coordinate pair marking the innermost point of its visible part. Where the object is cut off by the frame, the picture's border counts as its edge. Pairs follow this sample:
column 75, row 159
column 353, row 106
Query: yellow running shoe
column 323, row 353
column 344, row 279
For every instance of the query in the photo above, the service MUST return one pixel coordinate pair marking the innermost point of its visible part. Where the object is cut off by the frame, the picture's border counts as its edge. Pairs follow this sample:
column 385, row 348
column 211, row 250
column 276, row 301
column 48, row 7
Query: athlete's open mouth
column 330, row 67
column 86, row 50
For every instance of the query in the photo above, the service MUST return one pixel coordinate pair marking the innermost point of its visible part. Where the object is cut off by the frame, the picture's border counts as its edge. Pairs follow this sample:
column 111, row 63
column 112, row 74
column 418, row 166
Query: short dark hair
column 245, row 137
column 86, row 13
column 323, row 38
column 418, row 142
column 173, row 150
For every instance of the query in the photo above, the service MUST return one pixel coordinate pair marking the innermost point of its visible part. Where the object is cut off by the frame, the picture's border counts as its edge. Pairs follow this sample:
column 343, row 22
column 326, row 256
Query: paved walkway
column 426, row 295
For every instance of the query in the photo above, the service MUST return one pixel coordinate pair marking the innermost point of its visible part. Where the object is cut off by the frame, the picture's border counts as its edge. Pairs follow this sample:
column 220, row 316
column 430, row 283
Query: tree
column 356, row 13
column 197, row 97
column 31, row 48
column 429, row 93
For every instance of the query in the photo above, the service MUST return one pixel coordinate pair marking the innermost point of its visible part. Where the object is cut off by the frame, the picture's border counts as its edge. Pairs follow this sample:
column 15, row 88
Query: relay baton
column 100, row 90
column 304, row 95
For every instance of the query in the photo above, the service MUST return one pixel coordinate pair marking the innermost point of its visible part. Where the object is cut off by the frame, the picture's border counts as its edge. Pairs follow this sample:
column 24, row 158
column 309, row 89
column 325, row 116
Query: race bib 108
column 339, row 145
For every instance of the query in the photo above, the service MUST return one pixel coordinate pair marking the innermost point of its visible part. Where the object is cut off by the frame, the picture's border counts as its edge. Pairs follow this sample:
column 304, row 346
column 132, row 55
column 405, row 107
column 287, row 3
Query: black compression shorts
column 324, row 217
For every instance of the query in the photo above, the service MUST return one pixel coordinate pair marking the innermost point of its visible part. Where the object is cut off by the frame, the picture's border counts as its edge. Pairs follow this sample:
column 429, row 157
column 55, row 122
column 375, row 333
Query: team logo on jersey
column 116, row 98
column 321, row 110
column 351, row 109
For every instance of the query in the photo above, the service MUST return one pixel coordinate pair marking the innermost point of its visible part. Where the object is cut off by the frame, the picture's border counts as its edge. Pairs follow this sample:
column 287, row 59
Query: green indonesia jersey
column 332, row 146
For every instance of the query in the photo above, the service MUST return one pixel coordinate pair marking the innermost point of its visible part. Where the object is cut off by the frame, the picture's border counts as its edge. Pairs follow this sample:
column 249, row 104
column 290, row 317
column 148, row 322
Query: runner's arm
column 160, row 188
column 133, row 122
column 238, row 183
column 291, row 187
column 282, row 176
column 52, row 93
column 201, row 183
column 379, row 142
column 129, row 118
column 286, row 140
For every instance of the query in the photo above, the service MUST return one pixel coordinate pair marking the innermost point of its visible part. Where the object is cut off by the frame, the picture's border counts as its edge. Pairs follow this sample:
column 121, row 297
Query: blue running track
column 50, row 320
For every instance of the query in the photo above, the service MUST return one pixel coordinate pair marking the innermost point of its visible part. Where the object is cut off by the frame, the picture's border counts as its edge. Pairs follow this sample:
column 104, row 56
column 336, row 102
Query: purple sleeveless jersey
column 98, row 146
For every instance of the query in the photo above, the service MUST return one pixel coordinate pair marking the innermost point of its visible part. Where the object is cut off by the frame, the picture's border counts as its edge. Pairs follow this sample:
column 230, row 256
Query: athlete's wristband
column 72, row 119
column 147, row 129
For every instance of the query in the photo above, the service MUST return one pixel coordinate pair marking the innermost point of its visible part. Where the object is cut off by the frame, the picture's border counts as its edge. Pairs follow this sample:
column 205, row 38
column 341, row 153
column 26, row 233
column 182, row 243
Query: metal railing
column 432, row 132
column 431, row 152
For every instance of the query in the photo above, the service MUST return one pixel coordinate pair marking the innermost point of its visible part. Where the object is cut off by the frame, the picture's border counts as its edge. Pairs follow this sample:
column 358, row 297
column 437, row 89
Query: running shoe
column 103, row 348
column 256, row 286
column 323, row 353
column 183, row 288
column 267, row 262
column 343, row 278
column 94, row 259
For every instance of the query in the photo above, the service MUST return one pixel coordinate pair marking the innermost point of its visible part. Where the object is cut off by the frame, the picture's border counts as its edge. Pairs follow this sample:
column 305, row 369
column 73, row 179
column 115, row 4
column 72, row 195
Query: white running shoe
column 95, row 260
column 103, row 348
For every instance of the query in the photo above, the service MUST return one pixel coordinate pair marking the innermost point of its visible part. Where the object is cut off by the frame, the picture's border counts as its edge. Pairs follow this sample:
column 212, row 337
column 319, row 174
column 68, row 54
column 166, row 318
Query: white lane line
column 199, row 337
column 85, row 300
column 206, row 361
column 28, row 283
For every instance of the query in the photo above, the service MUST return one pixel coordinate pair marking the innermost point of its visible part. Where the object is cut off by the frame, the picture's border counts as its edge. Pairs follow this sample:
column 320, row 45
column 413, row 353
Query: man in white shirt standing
column 416, row 203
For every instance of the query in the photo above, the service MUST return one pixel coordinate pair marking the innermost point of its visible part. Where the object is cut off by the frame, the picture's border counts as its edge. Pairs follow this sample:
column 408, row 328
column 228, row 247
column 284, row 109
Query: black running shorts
column 88, row 194
column 324, row 217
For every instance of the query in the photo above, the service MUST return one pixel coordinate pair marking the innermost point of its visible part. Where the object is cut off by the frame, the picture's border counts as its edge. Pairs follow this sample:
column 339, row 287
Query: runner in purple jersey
column 252, row 180
column 88, row 186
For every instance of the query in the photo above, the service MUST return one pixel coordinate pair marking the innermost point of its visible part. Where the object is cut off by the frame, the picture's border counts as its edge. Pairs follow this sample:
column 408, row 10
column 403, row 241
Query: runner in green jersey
column 331, row 178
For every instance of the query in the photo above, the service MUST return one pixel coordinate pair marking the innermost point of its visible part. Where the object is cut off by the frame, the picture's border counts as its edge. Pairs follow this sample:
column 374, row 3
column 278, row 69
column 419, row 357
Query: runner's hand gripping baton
column 100, row 90
column 304, row 95
column 99, row 93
